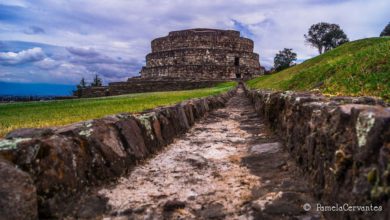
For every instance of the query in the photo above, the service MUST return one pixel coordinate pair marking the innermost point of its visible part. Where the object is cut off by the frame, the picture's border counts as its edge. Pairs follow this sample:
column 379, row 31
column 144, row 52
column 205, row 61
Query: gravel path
column 228, row 166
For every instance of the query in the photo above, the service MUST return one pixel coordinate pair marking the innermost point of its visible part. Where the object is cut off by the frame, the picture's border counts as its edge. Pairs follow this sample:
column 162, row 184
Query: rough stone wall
column 342, row 143
column 202, row 54
column 60, row 162
column 90, row 92
column 137, row 85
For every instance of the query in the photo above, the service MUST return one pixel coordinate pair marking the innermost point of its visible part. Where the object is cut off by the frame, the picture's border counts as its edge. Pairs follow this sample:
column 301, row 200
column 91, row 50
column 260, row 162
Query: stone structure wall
column 138, row 85
column 202, row 54
column 342, row 143
column 52, row 165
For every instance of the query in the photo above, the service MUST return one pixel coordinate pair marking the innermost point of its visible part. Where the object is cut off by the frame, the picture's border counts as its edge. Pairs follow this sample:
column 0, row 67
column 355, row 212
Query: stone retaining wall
column 47, row 166
column 139, row 85
column 342, row 143
column 200, row 72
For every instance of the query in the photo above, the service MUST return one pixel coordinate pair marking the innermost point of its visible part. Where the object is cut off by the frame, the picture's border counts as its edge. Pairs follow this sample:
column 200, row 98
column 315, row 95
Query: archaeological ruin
column 202, row 54
column 189, row 59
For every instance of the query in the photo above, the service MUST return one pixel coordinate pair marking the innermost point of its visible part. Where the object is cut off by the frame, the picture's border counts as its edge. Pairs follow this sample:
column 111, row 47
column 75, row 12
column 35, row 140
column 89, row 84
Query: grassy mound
column 358, row 68
column 53, row 113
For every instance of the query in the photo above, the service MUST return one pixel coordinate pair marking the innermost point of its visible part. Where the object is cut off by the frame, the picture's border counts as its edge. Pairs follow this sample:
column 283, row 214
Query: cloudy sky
column 60, row 41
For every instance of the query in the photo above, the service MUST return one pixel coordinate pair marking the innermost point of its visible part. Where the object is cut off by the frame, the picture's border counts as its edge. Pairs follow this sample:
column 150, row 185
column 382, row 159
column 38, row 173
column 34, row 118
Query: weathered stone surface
column 91, row 207
column 58, row 165
column 29, row 133
column 266, row 148
column 183, row 121
column 105, row 138
column 167, row 126
column 200, row 108
column 149, row 124
column 133, row 139
column 8, row 147
column 341, row 142
column 188, row 109
column 17, row 193
column 176, row 116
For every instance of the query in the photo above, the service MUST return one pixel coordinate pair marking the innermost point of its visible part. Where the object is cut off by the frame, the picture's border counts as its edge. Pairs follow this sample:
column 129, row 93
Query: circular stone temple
column 202, row 54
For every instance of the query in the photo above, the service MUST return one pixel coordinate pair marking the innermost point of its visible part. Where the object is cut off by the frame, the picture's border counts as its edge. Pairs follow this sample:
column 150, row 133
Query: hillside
column 358, row 68
column 52, row 113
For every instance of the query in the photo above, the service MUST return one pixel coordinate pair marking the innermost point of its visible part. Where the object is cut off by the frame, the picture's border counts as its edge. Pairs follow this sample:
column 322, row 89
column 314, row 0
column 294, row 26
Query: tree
column 82, row 84
column 325, row 36
column 386, row 31
column 284, row 59
column 97, row 81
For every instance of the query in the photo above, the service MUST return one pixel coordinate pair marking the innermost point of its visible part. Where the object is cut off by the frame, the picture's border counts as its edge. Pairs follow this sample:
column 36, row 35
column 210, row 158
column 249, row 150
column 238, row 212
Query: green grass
column 54, row 113
column 358, row 68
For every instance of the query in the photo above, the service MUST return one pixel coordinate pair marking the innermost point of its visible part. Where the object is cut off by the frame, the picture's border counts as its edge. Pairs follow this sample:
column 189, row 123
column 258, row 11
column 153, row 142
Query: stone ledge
column 231, row 33
column 342, row 143
column 140, row 85
column 64, row 161
column 215, row 52
column 201, row 40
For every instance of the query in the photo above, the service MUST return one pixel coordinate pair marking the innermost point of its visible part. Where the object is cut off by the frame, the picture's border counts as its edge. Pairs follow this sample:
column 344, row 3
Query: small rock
column 139, row 209
column 266, row 148
column 92, row 206
column 214, row 211
column 284, row 208
column 197, row 160
column 128, row 211
column 191, row 198
column 172, row 205
column 259, row 205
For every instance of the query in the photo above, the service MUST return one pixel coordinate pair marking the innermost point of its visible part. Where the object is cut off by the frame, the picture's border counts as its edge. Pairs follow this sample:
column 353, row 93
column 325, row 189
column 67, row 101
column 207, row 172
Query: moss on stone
column 8, row 144
column 145, row 121
column 88, row 131
column 364, row 124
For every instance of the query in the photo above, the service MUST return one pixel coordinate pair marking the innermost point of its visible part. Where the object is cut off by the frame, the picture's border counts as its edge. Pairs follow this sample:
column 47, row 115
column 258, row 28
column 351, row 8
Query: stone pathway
column 228, row 166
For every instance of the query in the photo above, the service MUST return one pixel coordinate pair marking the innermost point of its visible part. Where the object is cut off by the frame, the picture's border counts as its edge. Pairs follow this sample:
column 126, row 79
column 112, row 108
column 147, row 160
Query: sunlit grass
column 359, row 68
column 53, row 113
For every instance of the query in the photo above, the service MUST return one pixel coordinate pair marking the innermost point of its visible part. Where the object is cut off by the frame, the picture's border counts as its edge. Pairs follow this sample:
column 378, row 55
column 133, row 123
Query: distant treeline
column 11, row 98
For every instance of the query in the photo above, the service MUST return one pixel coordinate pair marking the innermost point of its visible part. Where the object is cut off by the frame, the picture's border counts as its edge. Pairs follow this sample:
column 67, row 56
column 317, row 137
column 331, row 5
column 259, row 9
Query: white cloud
column 48, row 64
column 24, row 56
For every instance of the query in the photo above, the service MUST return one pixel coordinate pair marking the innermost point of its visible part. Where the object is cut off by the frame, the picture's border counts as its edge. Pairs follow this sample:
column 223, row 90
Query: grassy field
column 355, row 69
column 53, row 113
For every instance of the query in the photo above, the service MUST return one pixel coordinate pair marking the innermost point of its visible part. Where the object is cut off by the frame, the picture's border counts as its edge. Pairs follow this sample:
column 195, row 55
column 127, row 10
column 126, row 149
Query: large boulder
column 132, row 137
column 17, row 193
